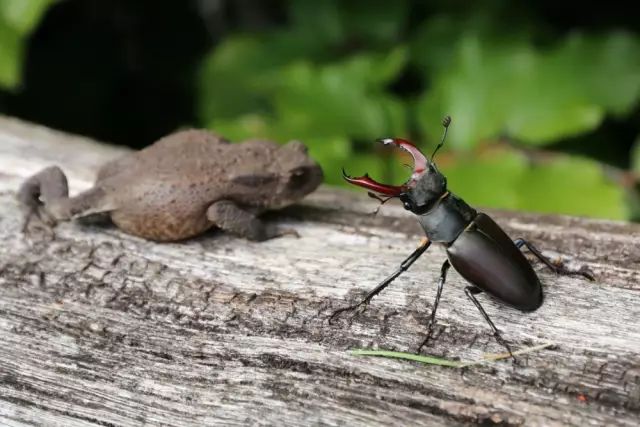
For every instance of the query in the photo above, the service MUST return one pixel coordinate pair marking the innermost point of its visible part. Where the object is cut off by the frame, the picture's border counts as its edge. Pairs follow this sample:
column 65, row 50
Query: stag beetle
column 476, row 246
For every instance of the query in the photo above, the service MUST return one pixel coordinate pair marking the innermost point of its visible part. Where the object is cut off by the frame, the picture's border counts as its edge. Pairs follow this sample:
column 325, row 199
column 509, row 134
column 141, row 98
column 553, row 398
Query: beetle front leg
column 471, row 291
column 432, row 319
column 558, row 269
column 404, row 266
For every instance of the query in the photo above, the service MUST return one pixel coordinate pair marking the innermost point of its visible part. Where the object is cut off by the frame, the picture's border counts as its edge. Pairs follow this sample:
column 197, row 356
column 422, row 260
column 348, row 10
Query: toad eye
column 298, row 177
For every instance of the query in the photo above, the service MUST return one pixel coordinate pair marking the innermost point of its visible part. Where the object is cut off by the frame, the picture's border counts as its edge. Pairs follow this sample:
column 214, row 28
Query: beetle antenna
column 380, row 199
column 445, row 122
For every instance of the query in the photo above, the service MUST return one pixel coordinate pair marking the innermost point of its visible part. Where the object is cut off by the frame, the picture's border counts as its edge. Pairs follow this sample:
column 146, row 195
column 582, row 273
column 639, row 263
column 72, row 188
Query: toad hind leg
column 230, row 217
column 45, row 196
column 48, row 184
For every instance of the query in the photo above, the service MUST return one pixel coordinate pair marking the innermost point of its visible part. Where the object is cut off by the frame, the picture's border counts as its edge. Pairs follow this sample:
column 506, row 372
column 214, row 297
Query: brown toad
column 182, row 185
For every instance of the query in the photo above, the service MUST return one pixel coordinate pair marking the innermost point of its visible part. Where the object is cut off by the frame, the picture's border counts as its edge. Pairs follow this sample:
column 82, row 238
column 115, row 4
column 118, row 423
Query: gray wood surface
column 101, row 328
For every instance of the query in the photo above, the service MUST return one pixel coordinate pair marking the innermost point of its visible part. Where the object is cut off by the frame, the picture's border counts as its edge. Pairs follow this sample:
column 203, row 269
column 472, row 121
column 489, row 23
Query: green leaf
column 574, row 186
column 375, row 22
column 434, row 45
column 503, row 178
column 11, row 52
column 238, row 77
column 489, row 179
column 635, row 156
column 23, row 15
column 337, row 99
column 376, row 69
column 334, row 23
column 496, row 86
column 478, row 90
column 244, row 127
column 333, row 153
column 612, row 69
column 18, row 19
column 320, row 20
column 323, row 105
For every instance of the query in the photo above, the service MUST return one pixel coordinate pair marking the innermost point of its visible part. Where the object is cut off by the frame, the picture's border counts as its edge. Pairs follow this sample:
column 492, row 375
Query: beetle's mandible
column 476, row 246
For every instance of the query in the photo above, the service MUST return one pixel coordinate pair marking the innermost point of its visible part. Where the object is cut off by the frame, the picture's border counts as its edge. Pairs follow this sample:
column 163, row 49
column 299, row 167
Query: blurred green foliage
column 340, row 74
column 532, row 95
column 17, row 19
column 328, row 79
column 635, row 157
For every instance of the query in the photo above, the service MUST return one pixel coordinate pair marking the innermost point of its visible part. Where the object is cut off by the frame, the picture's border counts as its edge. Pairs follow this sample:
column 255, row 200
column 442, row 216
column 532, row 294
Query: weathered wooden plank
column 101, row 328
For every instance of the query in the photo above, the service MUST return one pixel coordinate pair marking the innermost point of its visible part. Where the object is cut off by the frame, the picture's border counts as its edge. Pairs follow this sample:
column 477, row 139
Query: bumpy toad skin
column 181, row 186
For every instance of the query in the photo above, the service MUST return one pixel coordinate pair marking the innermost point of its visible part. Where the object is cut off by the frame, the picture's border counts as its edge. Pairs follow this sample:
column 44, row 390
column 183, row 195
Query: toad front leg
column 45, row 196
column 230, row 217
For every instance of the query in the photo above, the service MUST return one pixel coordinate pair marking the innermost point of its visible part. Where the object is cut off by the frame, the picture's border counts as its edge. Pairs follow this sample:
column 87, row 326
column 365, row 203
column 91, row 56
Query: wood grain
column 101, row 328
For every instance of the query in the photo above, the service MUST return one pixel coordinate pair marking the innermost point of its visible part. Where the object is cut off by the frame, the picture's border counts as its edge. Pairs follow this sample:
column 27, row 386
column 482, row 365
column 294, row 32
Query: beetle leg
column 558, row 268
column 471, row 291
column 432, row 319
column 404, row 266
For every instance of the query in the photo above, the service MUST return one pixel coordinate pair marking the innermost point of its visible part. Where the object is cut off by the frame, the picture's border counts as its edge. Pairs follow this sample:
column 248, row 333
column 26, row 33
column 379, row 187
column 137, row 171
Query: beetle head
column 422, row 190
column 427, row 190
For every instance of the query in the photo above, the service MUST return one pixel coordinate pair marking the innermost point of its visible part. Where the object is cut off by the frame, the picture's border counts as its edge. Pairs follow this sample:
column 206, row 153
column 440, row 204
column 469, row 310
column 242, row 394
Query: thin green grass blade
column 431, row 360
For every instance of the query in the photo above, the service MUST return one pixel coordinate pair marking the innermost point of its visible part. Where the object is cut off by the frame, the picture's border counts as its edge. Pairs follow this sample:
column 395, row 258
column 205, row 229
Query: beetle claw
column 420, row 163
column 587, row 273
column 370, row 184
column 359, row 308
column 337, row 312
column 424, row 344
column 502, row 342
column 583, row 271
